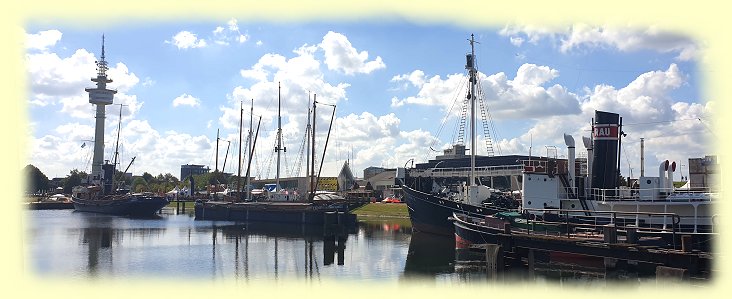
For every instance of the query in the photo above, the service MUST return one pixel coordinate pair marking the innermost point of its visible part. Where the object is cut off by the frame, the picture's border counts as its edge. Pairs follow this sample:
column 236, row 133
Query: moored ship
column 102, row 196
column 555, row 195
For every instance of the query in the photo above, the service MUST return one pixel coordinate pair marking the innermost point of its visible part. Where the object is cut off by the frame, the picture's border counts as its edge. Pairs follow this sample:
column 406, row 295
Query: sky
column 394, row 83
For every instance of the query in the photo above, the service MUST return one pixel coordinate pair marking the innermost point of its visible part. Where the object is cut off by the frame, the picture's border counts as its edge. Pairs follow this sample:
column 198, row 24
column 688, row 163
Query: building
column 384, row 185
column 703, row 172
column 299, row 185
column 346, row 180
column 372, row 171
column 192, row 169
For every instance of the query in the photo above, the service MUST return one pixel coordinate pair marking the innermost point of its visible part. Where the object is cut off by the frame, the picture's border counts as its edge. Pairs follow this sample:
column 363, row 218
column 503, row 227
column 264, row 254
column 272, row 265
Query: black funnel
column 605, row 134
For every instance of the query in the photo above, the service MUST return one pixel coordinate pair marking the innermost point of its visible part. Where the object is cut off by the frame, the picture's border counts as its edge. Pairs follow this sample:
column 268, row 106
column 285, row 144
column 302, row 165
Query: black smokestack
column 605, row 134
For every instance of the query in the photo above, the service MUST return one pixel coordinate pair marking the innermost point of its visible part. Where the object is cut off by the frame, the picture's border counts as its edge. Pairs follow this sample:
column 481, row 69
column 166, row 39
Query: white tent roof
column 174, row 191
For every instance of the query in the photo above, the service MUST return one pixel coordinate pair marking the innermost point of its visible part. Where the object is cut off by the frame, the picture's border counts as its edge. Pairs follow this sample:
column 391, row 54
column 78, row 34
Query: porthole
column 545, row 179
column 529, row 202
column 572, row 206
column 648, row 182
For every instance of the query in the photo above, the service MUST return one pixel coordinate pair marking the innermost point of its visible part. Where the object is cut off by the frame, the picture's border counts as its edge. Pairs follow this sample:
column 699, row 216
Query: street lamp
column 682, row 171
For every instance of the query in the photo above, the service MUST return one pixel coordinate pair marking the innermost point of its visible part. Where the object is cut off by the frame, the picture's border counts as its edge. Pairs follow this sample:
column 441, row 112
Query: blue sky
column 393, row 82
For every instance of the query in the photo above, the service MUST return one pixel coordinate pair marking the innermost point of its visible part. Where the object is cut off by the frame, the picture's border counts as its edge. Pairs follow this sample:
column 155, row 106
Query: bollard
column 631, row 234
column 671, row 274
column 531, row 263
column 493, row 259
column 610, row 233
column 686, row 244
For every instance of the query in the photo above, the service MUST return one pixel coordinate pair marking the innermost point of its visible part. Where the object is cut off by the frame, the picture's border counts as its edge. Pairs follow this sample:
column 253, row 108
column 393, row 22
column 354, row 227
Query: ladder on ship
column 571, row 194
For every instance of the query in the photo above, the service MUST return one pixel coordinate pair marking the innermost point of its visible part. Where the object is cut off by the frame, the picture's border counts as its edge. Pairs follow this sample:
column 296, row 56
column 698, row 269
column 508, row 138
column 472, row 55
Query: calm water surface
column 64, row 243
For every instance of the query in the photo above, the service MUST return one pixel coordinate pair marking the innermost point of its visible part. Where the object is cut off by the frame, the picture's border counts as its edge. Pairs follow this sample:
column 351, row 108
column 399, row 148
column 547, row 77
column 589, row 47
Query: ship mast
column 312, row 179
column 249, row 145
column 307, row 148
column 100, row 96
column 238, row 173
column 472, row 73
column 116, row 149
column 279, row 147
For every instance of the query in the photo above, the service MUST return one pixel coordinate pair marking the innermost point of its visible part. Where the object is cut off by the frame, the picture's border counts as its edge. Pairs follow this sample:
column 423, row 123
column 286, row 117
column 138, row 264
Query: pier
column 510, row 249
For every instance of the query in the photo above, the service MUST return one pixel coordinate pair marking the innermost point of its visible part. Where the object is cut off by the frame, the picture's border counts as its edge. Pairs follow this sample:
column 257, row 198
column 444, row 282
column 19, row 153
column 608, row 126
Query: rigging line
column 662, row 121
column 706, row 127
column 446, row 117
column 461, row 123
column 271, row 157
column 675, row 134
column 287, row 169
column 257, row 164
column 490, row 119
column 627, row 159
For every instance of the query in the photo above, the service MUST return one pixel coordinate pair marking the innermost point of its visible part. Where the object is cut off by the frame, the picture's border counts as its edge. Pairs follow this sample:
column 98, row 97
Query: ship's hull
column 299, row 213
column 431, row 214
column 130, row 205
column 494, row 231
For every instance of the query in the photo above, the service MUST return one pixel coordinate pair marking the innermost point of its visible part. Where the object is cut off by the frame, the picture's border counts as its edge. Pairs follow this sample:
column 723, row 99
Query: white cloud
column 187, row 100
column 55, row 80
column 672, row 129
column 525, row 96
column 148, row 82
column 298, row 75
column 230, row 34
column 341, row 56
column 416, row 78
column 433, row 92
column 186, row 40
column 531, row 74
column 42, row 40
column 259, row 43
column 516, row 41
column 622, row 38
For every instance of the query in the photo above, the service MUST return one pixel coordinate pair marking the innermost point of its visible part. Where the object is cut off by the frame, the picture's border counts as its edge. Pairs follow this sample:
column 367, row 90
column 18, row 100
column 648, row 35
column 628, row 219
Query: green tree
column 139, row 184
column 74, row 179
column 121, row 179
column 216, row 177
column 148, row 177
column 36, row 180
column 170, row 178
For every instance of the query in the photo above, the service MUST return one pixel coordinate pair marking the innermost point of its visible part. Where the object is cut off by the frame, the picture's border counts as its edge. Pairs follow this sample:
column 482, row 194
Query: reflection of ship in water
column 101, row 233
column 98, row 236
column 332, row 239
column 429, row 255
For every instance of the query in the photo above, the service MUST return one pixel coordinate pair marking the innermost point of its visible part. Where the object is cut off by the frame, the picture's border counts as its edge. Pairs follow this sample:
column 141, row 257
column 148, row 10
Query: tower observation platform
column 100, row 96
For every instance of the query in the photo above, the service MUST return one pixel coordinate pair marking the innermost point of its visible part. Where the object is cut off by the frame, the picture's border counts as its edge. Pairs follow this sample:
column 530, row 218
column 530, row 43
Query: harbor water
column 65, row 243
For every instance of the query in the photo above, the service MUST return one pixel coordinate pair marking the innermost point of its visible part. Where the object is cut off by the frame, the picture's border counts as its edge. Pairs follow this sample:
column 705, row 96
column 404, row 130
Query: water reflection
column 99, row 234
column 429, row 255
column 332, row 240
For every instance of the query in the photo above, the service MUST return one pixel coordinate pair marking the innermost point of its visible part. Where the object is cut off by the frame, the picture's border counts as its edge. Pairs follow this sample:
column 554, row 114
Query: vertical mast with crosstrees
column 472, row 73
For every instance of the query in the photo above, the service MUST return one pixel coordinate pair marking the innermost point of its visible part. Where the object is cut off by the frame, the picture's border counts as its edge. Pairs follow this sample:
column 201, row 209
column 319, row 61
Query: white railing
column 501, row 170
column 658, row 194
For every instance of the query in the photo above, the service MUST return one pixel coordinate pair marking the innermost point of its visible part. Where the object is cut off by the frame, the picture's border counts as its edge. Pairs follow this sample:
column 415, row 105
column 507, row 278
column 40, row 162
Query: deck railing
column 656, row 194
column 623, row 222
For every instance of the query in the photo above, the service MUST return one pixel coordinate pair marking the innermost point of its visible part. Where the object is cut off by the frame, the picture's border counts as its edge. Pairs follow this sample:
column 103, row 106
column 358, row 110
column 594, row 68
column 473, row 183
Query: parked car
column 391, row 200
